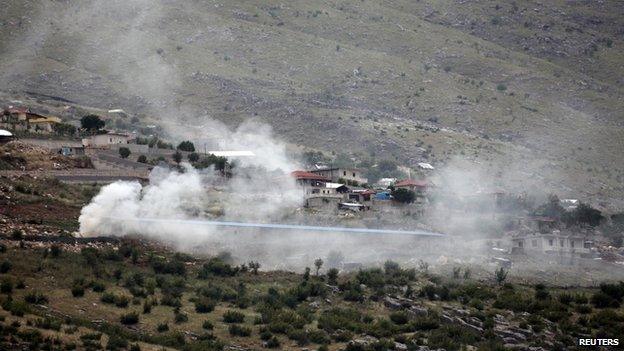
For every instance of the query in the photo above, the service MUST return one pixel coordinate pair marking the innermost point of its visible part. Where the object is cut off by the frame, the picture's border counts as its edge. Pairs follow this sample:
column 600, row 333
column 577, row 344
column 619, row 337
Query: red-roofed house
column 419, row 187
column 413, row 185
column 310, row 182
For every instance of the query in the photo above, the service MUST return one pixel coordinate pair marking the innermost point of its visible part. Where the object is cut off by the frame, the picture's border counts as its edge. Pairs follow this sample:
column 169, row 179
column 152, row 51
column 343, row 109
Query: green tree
column 403, row 195
column 193, row 157
column 186, row 146
column 318, row 263
column 124, row 152
column 142, row 159
column 64, row 129
column 92, row 123
column 500, row 275
column 177, row 157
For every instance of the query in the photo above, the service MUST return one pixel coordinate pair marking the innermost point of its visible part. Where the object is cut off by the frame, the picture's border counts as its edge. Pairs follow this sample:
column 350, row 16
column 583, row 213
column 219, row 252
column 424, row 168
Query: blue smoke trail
column 286, row 227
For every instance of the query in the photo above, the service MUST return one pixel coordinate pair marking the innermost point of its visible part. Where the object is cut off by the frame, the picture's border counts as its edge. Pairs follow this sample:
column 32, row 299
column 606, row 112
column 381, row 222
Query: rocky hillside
column 529, row 91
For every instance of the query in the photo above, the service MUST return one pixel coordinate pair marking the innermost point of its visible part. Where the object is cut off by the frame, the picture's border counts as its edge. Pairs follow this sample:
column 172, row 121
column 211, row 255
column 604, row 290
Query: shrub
column 604, row 300
column 204, row 305
column 207, row 325
column 55, row 251
column 180, row 317
column 332, row 276
column 6, row 287
column 98, row 286
column 217, row 267
column 142, row 159
column 36, row 297
column 273, row 343
column 233, row 317
column 5, row 266
column 399, row 317
column 129, row 318
column 124, row 152
column 501, row 87
column 237, row 330
column 77, row 291
column 48, row 323
column 17, row 234
column 162, row 327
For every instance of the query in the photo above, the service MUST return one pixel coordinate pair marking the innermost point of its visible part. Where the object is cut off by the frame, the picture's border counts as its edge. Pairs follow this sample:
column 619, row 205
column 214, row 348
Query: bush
column 142, row 159
column 207, row 325
column 604, row 300
column 98, row 286
column 186, row 146
column 124, row 152
column 5, row 266
column 17, row 234
column 273, row 343
column 501, row 87
column 129, row 318
column 180, row 317
column 204, row 305
column 217, row 267
column 77, row 291
column 36, row 297
column 399, row 317
column 237, row 330
column 6, row 287
column 233, row 317
column 162, row 327
column 332, row 276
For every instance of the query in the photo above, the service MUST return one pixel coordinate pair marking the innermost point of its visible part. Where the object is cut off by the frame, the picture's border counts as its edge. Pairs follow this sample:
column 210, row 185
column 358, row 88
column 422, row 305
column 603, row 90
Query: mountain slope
column 530, row 92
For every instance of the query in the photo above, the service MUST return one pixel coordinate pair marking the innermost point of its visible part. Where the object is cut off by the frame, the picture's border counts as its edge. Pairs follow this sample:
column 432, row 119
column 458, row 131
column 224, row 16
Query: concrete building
column 352, row 176
column 310, row 183
column 419, row 187
column 107, row 140
column 552, row 243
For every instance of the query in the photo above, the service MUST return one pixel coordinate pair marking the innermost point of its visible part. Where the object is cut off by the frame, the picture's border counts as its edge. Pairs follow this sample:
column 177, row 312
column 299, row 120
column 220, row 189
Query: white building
column 552, row 243
column 106, row 140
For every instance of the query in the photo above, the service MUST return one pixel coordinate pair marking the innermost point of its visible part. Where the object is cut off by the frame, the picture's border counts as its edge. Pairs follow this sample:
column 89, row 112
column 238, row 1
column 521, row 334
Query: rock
column 446, row 318
column 417, row 311
column 400, row 347
column 364, row 341
column 392, row 303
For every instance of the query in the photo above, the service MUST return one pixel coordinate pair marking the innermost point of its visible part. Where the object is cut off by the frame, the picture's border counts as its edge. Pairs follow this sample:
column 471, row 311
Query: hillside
column 529, row 92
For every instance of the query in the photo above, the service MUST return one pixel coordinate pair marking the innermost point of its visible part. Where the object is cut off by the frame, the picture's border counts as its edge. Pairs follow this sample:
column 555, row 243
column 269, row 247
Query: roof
column 411, row 182
column 308, row 175
column 5, row 133
column 335, row 169
column 17, row 110
column 45, row 120
column 334, row 185
column 425, row 165
column 233, row 153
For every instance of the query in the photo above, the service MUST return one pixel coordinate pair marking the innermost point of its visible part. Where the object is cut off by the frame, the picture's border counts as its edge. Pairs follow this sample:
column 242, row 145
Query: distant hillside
column 529, row 91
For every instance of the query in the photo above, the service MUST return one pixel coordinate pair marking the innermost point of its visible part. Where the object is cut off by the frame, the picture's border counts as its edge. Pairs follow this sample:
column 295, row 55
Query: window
column 534, row 243
column 110, row 140
column 572, row 243
column 520, row 243
column 550, row 242
column 561, row 243
column 353, row 175
column 344, row 173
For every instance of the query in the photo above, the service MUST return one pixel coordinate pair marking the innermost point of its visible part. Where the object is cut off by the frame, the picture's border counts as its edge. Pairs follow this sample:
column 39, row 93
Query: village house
column 310, row 183
column 106, row 140
column 23, row 119
column 352, row 176
column 554, row 242
column 419, row 187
